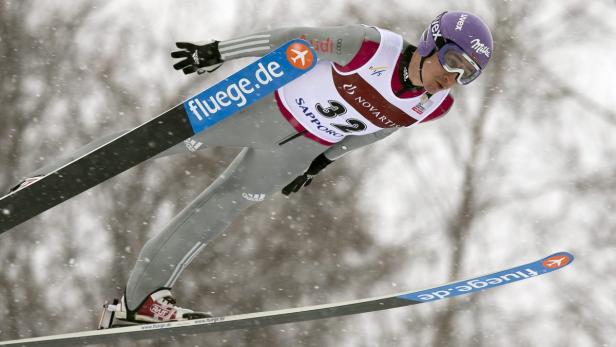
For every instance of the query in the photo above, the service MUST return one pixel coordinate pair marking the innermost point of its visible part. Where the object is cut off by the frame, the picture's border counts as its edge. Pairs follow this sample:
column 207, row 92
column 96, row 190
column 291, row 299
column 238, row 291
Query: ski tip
column 557, row 261
column 539, row 267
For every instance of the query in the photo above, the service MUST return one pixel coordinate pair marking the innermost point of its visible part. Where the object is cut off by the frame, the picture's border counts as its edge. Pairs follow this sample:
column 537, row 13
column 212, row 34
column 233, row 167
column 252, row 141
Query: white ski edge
column 257, row 319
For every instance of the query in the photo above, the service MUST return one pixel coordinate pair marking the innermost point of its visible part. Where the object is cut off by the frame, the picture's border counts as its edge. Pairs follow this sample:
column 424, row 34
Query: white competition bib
column 332, row 104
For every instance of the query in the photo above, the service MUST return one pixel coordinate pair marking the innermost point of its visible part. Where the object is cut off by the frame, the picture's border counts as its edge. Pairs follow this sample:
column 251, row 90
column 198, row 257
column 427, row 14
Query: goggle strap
column 440, row 42
column 421, row 63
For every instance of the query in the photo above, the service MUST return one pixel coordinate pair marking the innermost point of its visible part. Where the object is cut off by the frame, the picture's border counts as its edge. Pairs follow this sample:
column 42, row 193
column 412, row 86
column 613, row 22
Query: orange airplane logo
column 300, row 56
column 556, row 261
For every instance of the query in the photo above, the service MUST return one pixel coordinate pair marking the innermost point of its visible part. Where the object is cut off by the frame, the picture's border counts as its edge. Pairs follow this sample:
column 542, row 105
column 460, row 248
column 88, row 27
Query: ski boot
column 158, row 307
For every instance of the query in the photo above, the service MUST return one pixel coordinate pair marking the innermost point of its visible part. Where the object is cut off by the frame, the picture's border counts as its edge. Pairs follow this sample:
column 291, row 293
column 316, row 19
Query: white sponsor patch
column 192, row 145
column 253, row 197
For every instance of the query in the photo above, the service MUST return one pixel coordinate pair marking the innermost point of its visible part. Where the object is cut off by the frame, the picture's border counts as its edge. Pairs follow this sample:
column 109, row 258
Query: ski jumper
column 356, row 95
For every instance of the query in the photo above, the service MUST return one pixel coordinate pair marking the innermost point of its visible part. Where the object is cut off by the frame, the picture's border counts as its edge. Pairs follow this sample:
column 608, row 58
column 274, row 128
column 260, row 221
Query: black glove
column 197, row 58
column 304, row 180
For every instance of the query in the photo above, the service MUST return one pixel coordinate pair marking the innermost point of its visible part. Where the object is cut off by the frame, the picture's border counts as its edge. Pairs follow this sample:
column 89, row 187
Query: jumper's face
column 435, row 77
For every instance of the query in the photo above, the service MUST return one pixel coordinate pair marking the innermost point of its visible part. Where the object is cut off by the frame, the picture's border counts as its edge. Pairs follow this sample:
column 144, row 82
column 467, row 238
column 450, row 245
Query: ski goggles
column 454, row 59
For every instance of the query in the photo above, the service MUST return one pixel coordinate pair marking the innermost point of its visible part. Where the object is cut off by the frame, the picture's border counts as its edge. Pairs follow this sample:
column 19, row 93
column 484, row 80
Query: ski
column 243, row 321
column 194, row 115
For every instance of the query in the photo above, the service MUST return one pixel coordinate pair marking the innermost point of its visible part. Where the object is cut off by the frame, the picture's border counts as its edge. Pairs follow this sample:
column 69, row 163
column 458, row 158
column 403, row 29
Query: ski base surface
column 198, row 326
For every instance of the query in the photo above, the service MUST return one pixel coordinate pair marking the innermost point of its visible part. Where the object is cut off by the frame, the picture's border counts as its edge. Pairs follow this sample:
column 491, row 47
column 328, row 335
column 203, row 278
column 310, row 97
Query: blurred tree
column 34, row 56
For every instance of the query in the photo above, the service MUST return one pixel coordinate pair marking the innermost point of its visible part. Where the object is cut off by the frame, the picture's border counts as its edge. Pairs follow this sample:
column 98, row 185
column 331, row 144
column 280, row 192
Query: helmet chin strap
column 421, row 63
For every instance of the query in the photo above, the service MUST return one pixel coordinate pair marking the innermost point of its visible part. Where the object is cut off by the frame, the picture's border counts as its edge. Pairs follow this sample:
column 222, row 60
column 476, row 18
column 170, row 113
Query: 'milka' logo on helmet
column 480, row 48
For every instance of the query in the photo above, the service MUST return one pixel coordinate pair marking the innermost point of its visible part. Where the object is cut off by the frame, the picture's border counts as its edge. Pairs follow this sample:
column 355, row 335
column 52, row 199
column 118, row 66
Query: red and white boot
column 158, row 307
